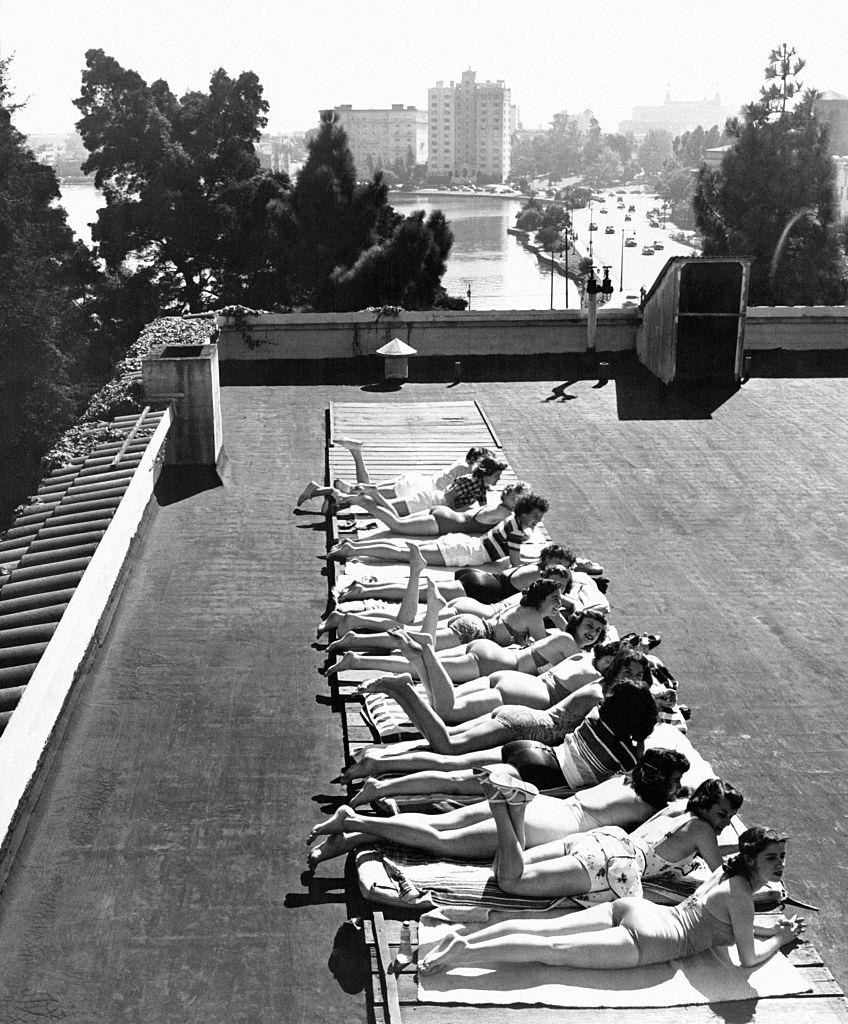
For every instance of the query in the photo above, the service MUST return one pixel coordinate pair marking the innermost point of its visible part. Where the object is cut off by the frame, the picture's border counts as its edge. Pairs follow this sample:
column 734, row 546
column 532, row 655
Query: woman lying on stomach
column 632, row 931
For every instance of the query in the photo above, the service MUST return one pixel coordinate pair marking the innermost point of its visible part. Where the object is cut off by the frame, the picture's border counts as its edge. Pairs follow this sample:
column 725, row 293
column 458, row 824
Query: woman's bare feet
column 368, row 792
column 333, row 826
column 343, row 643
column 341, row 485
column 348, row 442
column 307, row 493
column 333, row 846
column 445, row 954
column 434, row 595
column 408, row 647
column 345, row 662
column 333, row 621
column 360, row 769
column 341, row 552
column 416, row 560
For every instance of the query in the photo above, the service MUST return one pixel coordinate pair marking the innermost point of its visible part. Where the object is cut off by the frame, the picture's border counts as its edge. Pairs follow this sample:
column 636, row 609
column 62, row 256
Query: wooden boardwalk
column 424, row 437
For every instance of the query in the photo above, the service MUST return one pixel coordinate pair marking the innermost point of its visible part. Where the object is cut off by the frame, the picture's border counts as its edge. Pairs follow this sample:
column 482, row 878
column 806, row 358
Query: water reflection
column 501, row 273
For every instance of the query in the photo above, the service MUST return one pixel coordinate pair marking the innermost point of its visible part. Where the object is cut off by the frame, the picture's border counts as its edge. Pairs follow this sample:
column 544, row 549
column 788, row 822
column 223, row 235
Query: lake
column 494, row 265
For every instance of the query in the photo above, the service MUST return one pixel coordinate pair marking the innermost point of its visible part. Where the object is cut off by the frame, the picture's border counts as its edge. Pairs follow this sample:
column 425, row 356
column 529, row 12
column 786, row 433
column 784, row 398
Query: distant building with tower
column 470, row 127
column 678, row 116
column 832, row 109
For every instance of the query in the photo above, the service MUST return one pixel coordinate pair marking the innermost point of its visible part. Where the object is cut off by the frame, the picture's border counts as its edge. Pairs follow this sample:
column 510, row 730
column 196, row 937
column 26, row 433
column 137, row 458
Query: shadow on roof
column 177, row 483
column 641, row 396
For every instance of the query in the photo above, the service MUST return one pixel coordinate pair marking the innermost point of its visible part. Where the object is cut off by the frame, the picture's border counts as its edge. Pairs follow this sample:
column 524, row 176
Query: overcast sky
column 553, row 54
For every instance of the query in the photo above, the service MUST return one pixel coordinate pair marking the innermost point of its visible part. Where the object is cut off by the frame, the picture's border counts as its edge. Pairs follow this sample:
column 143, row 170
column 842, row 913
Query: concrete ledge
column 28, row 742
column 449, row 334
column 438, row 333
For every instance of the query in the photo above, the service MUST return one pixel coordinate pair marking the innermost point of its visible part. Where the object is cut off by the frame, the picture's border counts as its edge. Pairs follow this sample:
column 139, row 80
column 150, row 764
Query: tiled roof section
column 46, row 550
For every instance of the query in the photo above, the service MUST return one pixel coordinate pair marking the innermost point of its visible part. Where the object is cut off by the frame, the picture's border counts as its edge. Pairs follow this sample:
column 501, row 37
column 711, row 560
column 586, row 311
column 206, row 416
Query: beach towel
column 709, row 977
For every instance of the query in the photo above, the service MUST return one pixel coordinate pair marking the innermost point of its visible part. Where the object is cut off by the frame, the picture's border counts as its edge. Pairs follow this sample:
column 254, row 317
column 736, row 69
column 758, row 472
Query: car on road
column 653, row 223
column 631, row 208
column 629, row 243
column 658, row 245
column 627, row 216
column 609, row 230
column 647, row 250
column 630, row 301
column 593, row 226
column 604, row 210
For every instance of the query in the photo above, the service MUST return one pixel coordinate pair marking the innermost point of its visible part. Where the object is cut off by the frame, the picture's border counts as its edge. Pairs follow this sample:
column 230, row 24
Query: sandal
column 511, row 790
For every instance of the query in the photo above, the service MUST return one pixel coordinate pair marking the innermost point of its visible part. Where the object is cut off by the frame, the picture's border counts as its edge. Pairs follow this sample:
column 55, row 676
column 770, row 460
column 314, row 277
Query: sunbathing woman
column 470, row 832
column 502, row 541
column 607, row 742
column 506, row 723
column 607, row 860
column 631, row 932
column 412, row 491
column 520, row 624
column 483, row 657
column 486, row 586
column 442, row 519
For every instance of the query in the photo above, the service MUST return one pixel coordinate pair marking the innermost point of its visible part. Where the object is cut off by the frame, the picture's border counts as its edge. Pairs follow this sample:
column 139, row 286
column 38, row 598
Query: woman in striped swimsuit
column 502, row 541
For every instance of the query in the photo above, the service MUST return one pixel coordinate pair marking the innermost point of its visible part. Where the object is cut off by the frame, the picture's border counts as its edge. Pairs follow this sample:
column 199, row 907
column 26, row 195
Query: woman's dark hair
column 475, row 453
column 751, row 843
column 709, row 793
column 530, row 503
column 558, row 570
column 627, row 656
column 651, row 777
column 537, row 593
column 486, row 467
column 608, row 649
column 629, row 710
column 551, row 553
column 518, row 488
column 588, row 613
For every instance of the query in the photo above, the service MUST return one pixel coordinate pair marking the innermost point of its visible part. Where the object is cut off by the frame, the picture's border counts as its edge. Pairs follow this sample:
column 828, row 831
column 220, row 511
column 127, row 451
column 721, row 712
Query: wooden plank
column 388, row 978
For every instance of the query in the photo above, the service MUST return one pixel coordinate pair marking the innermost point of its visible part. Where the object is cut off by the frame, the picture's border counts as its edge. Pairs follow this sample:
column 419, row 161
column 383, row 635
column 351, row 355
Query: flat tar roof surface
column 160, row 877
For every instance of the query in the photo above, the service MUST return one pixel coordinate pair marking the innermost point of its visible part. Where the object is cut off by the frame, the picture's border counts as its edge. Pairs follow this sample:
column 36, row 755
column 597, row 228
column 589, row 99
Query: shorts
column 460, row 549
column 535, row 762
column 614, row 865
column 468, row 628
column 418, row 492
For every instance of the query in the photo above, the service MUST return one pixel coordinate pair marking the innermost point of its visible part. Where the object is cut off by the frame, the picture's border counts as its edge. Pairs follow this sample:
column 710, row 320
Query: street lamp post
column 593, row 288
column 621, row 274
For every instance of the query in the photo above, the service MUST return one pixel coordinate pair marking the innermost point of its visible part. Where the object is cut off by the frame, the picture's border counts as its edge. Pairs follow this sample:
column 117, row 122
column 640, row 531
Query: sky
column 552, row 54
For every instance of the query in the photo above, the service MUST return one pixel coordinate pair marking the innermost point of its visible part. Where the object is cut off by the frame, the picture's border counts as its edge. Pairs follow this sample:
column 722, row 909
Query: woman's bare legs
column 425, row 761
column 484, row 735
column 355, row 449
column 586, row 939
column 392, row 591
column 411, row 526
column 388, row 550
column 353, row 661
column 412, row 594
column 415, row 784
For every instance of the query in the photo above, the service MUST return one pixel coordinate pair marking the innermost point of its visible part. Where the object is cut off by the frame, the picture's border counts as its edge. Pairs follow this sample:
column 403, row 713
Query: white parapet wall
column 797, row 328
column 28, row 740
column 431, row 333
column 454, row 334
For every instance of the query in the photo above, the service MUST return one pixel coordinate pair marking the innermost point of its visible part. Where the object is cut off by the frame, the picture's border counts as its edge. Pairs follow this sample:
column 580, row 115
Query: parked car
column 653, row 223
column 629, row 243
column 609, row 230
column 658, row 245
column 647, row 250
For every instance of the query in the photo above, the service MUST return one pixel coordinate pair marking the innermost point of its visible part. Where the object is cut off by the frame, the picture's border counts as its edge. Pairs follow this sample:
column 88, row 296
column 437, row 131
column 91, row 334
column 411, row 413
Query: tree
column 600, row 164
column 773, row 199
column 44, row 331
column 168, row 168
column 656, row 148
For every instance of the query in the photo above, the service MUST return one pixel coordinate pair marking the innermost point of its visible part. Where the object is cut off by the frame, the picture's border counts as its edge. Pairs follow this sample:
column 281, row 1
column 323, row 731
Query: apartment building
column 379, row 138
column 470, row 129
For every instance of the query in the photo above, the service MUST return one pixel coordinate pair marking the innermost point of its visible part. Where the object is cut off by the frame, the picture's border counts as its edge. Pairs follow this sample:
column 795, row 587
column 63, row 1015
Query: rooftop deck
column 160, row 877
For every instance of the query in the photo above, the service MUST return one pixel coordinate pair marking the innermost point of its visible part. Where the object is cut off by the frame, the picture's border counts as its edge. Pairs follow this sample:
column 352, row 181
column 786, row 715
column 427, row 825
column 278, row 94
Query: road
column 638, row 271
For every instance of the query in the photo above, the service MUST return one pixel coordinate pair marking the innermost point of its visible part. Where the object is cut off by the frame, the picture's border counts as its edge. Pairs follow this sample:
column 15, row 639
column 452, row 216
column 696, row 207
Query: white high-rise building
column 469, row 129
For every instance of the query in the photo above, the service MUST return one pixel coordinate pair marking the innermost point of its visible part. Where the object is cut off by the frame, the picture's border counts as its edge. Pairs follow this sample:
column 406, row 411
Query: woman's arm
column 753, row 951
column 706, row 842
